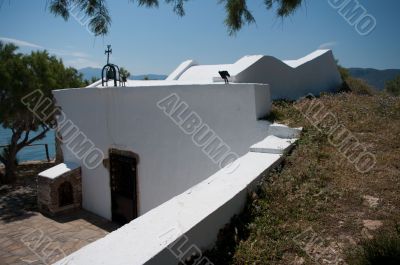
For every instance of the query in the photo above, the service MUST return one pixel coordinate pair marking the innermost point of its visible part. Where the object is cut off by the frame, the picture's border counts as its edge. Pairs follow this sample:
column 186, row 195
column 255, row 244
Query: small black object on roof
column 224, row 75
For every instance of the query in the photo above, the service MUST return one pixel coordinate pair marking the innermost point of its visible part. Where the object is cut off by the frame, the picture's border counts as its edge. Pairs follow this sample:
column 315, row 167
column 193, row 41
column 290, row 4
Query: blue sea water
column 31, row 152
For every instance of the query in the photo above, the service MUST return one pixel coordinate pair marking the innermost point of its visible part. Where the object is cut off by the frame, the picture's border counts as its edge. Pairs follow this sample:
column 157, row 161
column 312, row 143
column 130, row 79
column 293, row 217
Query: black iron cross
column 108, row 52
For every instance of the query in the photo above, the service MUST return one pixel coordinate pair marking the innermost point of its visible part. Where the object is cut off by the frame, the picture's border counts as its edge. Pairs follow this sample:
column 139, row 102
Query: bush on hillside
column 357, row 86
column 383, row 249
column 344, row 72
column 344, row 75
column 393, row 86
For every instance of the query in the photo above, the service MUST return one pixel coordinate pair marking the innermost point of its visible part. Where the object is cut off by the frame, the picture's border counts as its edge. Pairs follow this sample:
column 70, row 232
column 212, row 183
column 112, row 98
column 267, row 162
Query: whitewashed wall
column 128, row 118
column 290, row 79
column 190, row 221
column 314, row 76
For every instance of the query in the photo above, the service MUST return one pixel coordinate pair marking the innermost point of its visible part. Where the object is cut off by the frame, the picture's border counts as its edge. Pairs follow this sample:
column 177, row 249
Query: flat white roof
column 137, row 83
column 58, row 170
column 154, row 83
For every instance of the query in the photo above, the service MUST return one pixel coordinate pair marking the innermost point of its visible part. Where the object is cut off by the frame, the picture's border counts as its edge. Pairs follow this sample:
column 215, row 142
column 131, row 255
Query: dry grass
column 318, row 190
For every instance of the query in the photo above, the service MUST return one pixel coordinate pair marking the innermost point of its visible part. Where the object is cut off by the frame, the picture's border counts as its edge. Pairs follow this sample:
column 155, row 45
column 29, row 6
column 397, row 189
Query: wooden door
column 123, row 176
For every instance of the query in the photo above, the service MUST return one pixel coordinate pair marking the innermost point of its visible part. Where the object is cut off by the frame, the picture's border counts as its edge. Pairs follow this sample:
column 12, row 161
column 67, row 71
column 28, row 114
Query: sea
column 29, row 153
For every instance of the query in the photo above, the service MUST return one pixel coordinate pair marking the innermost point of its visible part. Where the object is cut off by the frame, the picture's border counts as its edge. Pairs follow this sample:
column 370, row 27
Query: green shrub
column 384, row 249
column 393, row 86
column 344, row 72
column 358, row 86
column 344, row 75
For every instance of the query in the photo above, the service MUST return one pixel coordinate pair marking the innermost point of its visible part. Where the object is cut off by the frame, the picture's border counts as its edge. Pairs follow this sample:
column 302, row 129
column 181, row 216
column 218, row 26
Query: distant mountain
column 89, row 72
column 374, row 77
column 149, row 76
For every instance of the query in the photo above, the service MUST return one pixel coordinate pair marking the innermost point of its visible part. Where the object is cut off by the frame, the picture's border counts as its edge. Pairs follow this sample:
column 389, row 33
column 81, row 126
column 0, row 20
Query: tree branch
column 15, row 137
column 237, row 13
column 26, row 137
column 37, row 137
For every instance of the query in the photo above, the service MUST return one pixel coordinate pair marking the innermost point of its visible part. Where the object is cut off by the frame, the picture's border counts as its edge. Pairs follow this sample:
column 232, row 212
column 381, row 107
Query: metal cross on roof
column 108, row 52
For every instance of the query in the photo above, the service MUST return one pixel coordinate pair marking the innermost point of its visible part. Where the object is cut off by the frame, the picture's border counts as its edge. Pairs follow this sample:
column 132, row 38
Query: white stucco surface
column 283, row 131
column 127, row 118
column 272, row 145
column 58, row 170
column 314, row 73
column 181, row 69
column 198, row 213
column 210, row 72
column 305, row 59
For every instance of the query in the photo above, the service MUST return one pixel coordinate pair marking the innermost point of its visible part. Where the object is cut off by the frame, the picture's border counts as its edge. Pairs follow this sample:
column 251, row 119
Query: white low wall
column 194, row 216
column 127, row 118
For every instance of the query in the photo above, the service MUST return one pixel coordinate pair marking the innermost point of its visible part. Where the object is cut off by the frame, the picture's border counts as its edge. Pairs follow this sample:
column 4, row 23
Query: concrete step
column 283, row 131
column 273, row 145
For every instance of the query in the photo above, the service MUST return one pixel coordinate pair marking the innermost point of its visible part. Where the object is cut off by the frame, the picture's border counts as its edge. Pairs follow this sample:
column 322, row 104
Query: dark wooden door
column 123, row 188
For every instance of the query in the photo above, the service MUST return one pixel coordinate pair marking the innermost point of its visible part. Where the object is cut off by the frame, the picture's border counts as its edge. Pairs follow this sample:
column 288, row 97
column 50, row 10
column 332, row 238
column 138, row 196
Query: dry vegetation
column 317, row 205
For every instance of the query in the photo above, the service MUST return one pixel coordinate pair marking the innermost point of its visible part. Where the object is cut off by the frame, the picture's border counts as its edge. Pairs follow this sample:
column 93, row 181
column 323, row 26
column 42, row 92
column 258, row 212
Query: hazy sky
column 156, row 40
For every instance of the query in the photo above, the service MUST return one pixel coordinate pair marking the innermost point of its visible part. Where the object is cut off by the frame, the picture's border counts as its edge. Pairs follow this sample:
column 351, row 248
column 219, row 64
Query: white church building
column 157, row 139
column 177, row 155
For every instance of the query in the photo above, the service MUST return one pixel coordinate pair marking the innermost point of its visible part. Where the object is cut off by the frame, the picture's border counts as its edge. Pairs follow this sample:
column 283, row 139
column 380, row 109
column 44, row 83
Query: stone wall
column 49, row 196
